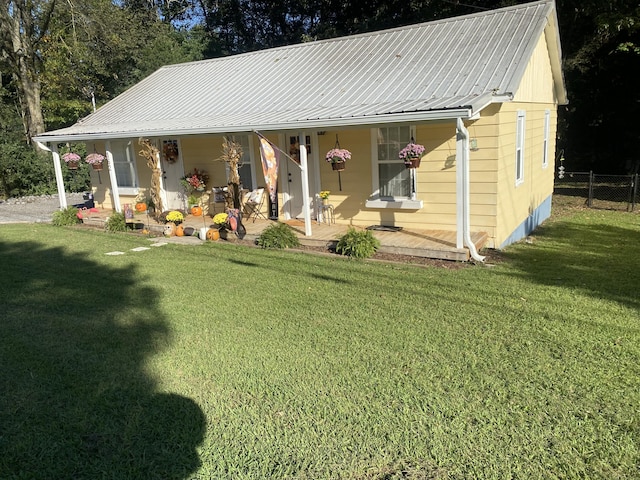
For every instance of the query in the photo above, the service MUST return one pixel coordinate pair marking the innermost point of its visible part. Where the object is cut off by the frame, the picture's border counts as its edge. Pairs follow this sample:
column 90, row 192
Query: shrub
column 68, row 216
column 116, row 223
column 278, row 235
column 358, row 244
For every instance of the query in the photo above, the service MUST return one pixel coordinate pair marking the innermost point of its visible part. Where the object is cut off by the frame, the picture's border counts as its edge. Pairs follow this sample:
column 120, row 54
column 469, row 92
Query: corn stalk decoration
column 231, row 154
column 151, row 154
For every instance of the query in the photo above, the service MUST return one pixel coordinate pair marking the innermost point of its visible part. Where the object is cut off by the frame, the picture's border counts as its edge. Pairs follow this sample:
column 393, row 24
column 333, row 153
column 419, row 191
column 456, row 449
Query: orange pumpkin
column 180, row 231
column 213, row 234
column 141, row 207
column 196, row 211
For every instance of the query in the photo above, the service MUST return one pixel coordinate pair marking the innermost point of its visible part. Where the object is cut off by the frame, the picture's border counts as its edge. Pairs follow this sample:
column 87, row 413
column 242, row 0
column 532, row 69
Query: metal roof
column 436, row 70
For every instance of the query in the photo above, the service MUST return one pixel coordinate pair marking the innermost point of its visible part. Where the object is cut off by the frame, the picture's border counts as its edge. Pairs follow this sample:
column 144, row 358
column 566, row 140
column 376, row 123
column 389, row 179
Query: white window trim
column 134, row 161
column 397, row 203
column 545, row 141
column 520, row 131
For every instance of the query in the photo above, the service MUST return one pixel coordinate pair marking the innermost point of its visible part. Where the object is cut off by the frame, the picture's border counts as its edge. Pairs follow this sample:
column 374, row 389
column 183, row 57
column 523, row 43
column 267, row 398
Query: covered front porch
column 437, row 244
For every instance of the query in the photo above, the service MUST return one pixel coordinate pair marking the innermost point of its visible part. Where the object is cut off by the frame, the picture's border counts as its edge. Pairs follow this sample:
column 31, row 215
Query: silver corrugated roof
column 442, row 69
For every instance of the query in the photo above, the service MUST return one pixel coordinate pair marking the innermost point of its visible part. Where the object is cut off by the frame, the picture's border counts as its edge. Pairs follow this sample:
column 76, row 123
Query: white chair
column 253, row 204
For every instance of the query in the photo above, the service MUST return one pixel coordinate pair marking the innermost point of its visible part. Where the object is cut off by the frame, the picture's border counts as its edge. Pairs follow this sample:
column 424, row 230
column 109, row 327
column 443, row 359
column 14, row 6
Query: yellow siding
column 537, row 83
column 518, row 202
column 203, row 153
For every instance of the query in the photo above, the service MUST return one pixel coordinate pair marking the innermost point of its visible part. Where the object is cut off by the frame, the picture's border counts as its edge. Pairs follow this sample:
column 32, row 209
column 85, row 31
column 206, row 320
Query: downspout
column 62, row 196
column 463, row 165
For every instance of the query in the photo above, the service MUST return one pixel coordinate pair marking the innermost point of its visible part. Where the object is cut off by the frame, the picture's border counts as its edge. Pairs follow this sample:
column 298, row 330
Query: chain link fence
column 611, row 192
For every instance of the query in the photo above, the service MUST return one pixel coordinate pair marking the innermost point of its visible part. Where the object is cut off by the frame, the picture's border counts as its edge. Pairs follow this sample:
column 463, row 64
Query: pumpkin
column 189, row 231
column 213, row 234
column 141, row 207
column 169, row 229
column 180, row 231
column 196, row 211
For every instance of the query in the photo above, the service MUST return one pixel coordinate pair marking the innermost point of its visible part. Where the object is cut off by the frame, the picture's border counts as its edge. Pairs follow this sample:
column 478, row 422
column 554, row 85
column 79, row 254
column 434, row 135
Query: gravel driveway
column 34, row 209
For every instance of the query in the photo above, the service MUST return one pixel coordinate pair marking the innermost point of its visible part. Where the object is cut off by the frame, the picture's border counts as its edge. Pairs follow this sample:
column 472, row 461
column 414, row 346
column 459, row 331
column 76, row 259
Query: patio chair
column 217, row 199
column 253, row 204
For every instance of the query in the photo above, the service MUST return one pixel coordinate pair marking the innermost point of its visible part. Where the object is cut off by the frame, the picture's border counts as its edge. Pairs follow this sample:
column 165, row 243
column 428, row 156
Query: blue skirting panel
column 538, row 216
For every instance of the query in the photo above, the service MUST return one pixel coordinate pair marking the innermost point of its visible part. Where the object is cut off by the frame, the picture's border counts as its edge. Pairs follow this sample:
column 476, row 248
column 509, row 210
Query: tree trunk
column 30, row 95
column 20, row 44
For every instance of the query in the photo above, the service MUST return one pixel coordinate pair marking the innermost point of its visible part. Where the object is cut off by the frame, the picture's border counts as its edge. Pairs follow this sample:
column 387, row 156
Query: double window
column 394, row 180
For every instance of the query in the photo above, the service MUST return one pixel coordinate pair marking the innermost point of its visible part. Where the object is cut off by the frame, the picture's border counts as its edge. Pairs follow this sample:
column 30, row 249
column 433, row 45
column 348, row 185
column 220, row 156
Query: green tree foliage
column 23, row 25
column 96, row 48
column 72, row 52
column 602, row 63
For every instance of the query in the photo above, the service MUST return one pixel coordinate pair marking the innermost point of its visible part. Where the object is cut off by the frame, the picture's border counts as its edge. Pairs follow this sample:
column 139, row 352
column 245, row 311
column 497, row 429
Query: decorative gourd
column 196, row 211
column 213, row 234
column 180, row 231
column 169, row 229
column 141, row 207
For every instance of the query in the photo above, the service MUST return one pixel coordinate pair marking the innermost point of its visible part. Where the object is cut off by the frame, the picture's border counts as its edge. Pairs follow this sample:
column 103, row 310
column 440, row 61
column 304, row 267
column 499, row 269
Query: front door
column 172, row 171
column 294, row 201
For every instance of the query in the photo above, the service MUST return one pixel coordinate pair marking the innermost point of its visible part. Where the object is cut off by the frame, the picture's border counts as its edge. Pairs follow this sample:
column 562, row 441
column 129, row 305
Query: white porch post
column 57, row 166
column 460, row 187
column 304, row 172
column 115, row 191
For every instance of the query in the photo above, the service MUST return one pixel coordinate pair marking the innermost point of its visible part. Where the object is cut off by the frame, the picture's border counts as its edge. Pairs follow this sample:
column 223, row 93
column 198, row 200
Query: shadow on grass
column 599, row 258
column 75, row 400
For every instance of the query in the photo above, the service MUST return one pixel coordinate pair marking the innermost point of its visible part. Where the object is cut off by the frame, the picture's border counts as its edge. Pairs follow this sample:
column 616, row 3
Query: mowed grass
column 221, row 361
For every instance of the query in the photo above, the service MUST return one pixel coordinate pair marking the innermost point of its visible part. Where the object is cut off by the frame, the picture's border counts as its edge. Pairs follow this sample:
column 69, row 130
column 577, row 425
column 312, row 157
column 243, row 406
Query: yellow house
column 479, row 92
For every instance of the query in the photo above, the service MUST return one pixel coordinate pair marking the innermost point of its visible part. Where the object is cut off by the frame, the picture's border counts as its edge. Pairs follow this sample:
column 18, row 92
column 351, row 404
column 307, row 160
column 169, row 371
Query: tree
column 602, row 63
column 23, row 24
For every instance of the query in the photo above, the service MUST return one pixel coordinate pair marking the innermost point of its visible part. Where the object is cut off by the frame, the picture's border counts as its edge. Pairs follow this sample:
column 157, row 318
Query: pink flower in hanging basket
column 338, row 155
column 71, row 157
column 94, row 158
column 412, row 150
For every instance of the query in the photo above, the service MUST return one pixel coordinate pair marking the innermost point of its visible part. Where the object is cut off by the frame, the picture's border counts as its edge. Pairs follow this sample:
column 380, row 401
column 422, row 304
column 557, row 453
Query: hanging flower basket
column 72, row 160
column 337, row 158
column 95, row 160
column 411, row 154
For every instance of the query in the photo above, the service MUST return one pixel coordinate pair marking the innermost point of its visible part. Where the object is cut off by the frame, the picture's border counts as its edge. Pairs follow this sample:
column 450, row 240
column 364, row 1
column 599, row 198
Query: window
column 545, row 142
column 246, row 169
column 394, row 179
column 124, row 164
column 520, row 124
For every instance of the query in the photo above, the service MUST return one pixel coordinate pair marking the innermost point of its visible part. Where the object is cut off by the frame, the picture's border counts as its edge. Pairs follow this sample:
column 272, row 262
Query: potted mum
column 411, row 154
column 220, row 223
column 95, row 160
column 337, row 158
column 72, row 160
column 175, row 217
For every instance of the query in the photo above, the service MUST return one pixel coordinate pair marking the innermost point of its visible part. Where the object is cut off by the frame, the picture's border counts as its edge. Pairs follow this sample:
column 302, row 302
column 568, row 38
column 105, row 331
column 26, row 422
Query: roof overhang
column 364, row 121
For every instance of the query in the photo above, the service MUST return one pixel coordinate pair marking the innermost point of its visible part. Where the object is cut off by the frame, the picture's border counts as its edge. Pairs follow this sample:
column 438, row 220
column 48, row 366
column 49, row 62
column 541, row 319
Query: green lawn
column 221, row 361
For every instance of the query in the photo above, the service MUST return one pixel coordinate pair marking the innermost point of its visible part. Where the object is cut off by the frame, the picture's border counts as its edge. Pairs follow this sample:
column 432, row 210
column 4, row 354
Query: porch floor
column 437, row 244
